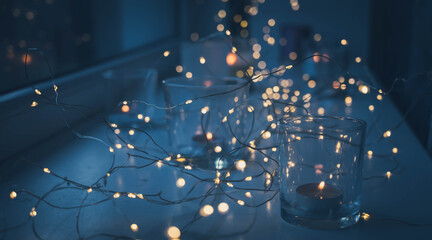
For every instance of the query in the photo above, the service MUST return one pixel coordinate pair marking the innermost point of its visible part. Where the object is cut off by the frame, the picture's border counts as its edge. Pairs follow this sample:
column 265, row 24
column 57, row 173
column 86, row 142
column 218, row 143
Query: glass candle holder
column 199, row 131
column 321, row 170
column 127, row 84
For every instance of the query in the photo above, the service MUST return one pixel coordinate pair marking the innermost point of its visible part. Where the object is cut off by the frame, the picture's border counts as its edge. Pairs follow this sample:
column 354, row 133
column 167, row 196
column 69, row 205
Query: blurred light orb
column 134, row 227
column 223, row 207
column 241, row 164
column 125, row 108
column 231, row 59
column 180, row 182
column 206, row 211
column 173, row 232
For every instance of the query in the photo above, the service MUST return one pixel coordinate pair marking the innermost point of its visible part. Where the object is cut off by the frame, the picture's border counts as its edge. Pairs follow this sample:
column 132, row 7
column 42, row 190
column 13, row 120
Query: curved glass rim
column 182, row 81
column 359, row 124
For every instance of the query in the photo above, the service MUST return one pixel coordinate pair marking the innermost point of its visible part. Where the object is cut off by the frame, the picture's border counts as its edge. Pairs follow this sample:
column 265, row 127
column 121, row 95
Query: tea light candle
column 319, row 197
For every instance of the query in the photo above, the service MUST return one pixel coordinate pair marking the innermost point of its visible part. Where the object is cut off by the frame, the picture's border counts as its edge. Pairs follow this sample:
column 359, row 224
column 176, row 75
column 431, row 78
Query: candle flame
column 321, row 185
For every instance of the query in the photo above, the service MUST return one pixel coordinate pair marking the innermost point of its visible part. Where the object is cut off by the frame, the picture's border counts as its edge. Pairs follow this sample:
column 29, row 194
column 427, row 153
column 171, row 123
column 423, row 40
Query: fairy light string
column 224, row 183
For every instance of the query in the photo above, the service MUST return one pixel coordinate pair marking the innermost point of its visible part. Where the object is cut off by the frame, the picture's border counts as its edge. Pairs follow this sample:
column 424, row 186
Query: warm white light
column 13, row 195
column 344, row 42
column 321, row 185
column 206, row 211
column 209, row 136
column 387, row 134
column 33, row 213
column 365, row 216
column 159, row 164
column 173, row 232
column 266, row 135
column 364, row 89
column 311, row 84
column 134, row 227
column 231, row 58
column 131, row 195
column 205, row 109
column 348, row 101
column 269, row 118
column 180, row 182
column 222, row 13
column 271, row 22
column 388, row 174
column 241, row 164
column 338, row 147
column 370, row 153
column 125, row 108
column 218, row 149
column 223, row 207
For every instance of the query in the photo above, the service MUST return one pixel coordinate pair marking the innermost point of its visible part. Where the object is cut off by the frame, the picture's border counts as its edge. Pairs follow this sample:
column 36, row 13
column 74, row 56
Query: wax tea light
column 319, row 197
column 320, row 170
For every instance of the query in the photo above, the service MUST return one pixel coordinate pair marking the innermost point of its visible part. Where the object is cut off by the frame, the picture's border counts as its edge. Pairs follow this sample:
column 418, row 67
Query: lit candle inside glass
column 319, row 197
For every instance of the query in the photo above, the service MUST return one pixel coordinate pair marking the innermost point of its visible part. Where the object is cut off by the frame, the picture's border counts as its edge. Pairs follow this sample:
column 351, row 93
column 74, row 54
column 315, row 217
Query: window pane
column 75, row 34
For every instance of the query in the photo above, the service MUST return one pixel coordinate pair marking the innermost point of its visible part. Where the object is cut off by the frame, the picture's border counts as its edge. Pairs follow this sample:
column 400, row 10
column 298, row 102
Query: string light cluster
column 227, row 180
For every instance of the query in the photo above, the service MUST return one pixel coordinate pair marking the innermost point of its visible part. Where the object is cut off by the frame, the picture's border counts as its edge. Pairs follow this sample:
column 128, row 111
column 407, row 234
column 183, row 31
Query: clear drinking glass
column 205, row 133
column 127, row 84
column 321, row 161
